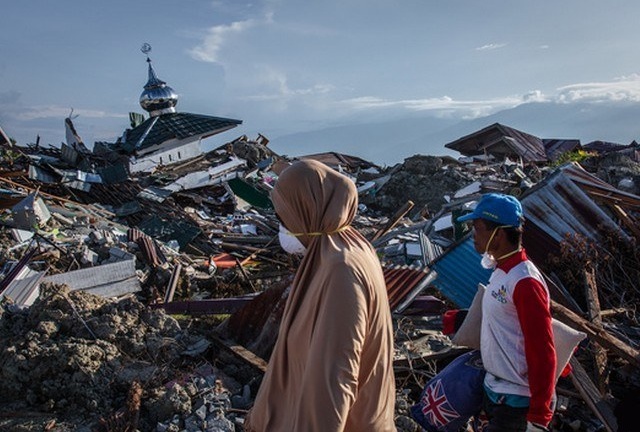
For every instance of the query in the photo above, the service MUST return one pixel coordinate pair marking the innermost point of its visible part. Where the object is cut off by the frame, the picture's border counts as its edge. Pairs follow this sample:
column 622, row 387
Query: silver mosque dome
column 157, row 98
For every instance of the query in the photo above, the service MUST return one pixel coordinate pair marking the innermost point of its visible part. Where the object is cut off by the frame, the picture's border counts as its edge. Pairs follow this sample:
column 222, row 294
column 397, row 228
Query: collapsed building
column 150, row 269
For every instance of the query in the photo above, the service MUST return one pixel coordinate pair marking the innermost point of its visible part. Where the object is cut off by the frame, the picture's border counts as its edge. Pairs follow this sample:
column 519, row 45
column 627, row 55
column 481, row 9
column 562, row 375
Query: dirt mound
column 75, row 353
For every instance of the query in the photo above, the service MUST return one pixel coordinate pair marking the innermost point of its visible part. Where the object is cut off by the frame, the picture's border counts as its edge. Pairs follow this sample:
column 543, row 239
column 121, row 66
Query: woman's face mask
column 289, row 242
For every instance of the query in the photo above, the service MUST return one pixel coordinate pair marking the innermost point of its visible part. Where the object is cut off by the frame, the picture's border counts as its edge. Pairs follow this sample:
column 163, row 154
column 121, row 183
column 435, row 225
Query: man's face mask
column 488, row 260
column 289, row 242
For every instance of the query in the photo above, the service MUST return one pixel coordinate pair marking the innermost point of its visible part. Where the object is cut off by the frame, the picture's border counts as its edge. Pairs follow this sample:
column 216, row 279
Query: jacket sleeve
column 330, row 384
column 532, row 305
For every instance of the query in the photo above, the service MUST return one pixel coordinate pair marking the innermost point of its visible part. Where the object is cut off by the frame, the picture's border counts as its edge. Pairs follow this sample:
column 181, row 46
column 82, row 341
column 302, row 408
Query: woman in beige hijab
column 331, row 369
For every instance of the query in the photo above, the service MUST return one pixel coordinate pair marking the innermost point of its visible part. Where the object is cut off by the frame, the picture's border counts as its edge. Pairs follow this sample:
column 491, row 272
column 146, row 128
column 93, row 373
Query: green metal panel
column 250, row 194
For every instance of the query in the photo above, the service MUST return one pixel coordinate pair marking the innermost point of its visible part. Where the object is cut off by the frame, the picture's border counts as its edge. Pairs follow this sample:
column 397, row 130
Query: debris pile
column 77, row 353
column 150, row 299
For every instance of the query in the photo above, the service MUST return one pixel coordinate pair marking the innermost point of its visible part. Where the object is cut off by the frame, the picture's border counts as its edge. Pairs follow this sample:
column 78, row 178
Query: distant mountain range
column 390, row 142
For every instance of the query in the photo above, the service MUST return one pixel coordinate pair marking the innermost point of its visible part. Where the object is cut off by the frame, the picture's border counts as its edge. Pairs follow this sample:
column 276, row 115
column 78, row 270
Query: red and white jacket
column 516, row 336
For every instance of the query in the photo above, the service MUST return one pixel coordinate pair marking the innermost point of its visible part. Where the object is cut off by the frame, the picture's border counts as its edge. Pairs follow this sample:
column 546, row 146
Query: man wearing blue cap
column 516, row 337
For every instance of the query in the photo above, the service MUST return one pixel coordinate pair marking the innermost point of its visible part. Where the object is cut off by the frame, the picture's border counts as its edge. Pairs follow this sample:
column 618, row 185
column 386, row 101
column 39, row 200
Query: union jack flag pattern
column 436, row 406
column 453, row 396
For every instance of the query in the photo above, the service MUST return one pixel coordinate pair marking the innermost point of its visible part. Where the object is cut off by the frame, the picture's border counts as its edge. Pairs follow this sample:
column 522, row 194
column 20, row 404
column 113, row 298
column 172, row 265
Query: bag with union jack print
column 450, row 398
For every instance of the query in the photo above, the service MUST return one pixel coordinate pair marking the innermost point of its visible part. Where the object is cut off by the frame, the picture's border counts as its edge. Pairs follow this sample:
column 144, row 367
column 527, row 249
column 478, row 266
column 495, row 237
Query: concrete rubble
column 150, row 300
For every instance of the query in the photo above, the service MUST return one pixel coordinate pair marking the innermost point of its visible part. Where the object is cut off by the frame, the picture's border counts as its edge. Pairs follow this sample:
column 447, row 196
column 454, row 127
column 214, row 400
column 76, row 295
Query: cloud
column 492, row 46
column 280, row 90
column 535, row 96
column 622, row 89
column 52, row 111
column 444, row 105
column 217, row 37
column 280, row 95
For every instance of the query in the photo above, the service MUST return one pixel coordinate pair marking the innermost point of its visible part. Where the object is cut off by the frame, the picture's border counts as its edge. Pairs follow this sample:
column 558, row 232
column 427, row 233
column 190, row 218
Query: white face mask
column 488, row 261
column 289, row 242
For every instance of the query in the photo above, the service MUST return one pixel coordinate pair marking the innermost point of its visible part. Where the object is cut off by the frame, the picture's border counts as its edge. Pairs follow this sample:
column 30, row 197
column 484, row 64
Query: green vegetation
column 572, row 156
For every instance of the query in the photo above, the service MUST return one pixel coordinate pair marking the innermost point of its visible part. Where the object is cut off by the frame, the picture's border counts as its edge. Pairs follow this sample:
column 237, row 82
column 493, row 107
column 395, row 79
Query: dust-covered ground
column 75, row 361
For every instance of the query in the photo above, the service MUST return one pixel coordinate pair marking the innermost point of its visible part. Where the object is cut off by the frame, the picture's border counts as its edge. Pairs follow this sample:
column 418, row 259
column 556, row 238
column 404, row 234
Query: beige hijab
column 331, row 368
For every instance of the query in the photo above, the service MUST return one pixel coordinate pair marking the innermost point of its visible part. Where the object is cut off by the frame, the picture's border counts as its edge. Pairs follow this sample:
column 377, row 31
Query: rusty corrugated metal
column 152, row 253
column 501, row 139
column 556, row 147
column 401, row 281
column 569, row 202
column 255, row 325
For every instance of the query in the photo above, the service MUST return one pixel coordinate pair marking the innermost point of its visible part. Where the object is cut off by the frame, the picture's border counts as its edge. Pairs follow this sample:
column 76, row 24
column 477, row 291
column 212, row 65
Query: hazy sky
column 291, row 65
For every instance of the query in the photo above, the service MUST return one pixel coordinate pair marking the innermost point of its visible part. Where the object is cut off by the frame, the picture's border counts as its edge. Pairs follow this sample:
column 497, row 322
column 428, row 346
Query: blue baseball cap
column 499, row 208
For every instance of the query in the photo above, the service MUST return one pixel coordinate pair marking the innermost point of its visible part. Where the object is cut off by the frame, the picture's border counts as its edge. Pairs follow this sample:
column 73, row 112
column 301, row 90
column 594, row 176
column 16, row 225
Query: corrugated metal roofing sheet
column 555, row 147
column 567, row 202
column 561, row 207
column 430, row 250
column 153, row 193
column 37, row 173
column 25, row 289
column 459, row 272
column 108, row 280
column 69, row 154
column 500, row 139
column 211, row 176
column 564, row 204
column 401, row 280
column 603, row 146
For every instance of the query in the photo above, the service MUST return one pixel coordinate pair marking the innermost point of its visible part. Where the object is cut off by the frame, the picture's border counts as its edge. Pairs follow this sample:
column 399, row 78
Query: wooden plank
column 627, row 220
column 173, row 283
column 597, row 333
column 242, row 353
column 590, row 394
column 245, row 275
column 593, row 304
column 417, row 358
column 223, row 306
column 394, row 220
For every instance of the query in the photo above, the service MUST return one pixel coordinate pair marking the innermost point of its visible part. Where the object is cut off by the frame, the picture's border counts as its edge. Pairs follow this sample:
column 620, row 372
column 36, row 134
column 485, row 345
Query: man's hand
column 534, row 427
